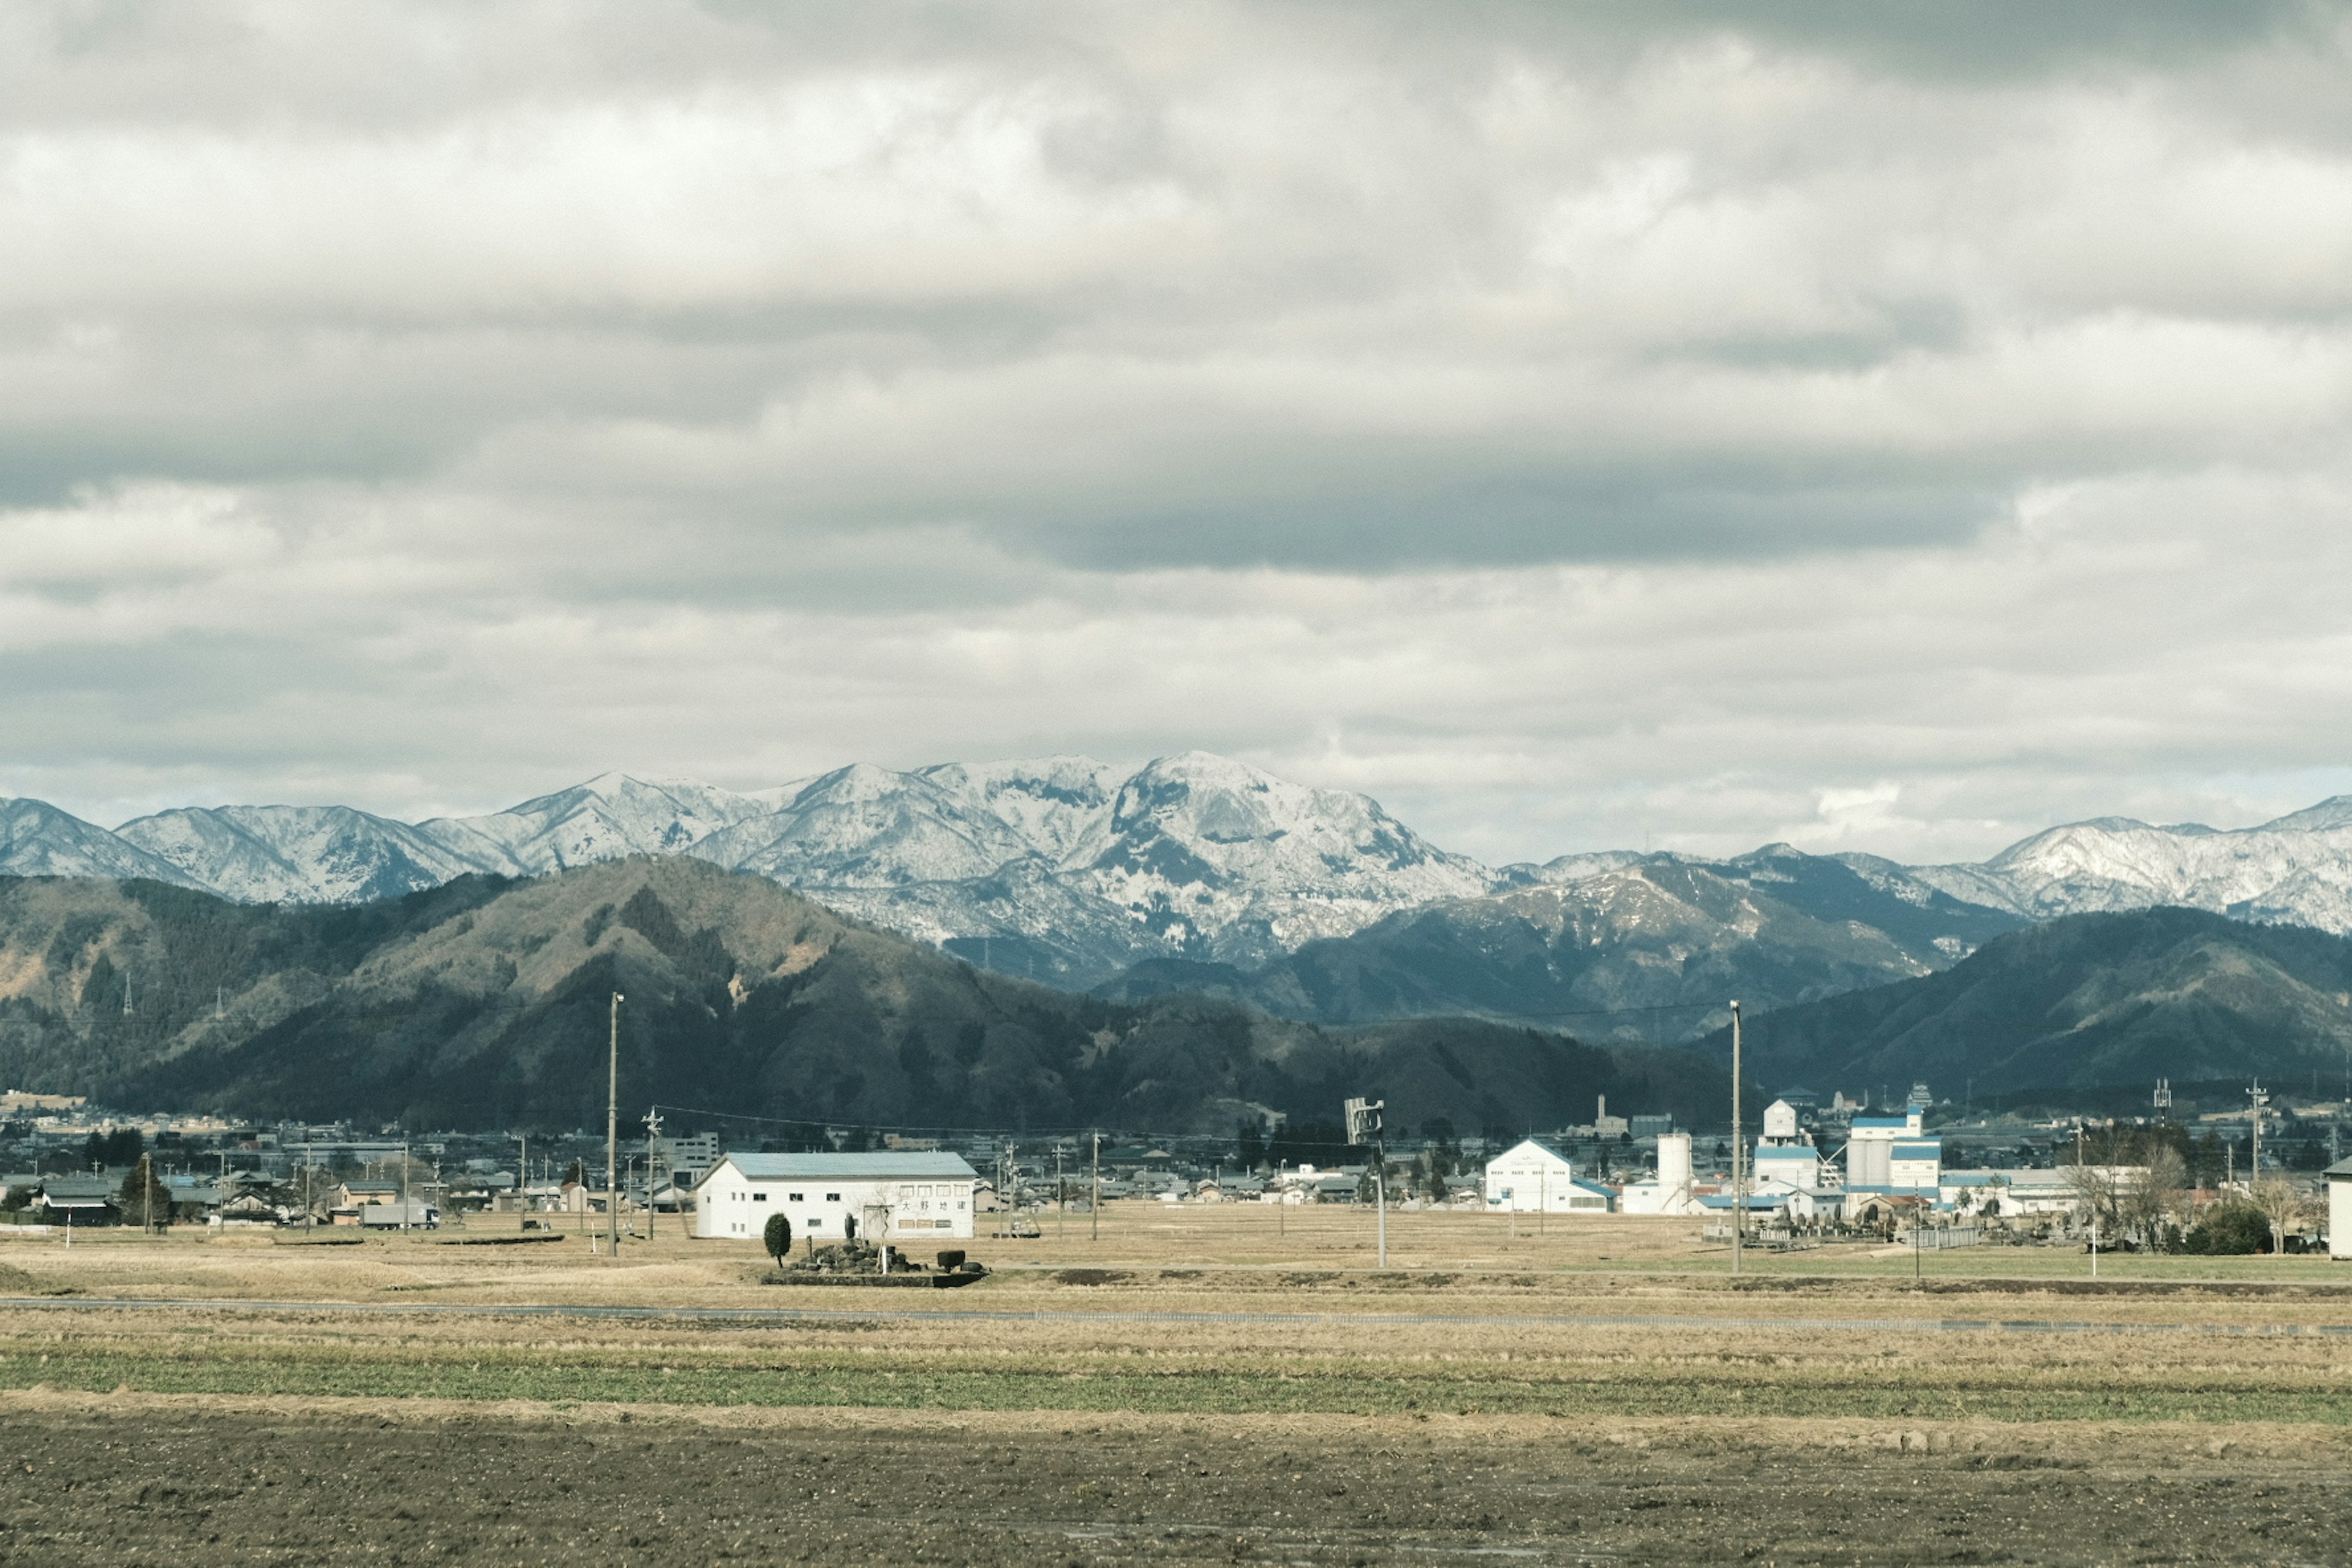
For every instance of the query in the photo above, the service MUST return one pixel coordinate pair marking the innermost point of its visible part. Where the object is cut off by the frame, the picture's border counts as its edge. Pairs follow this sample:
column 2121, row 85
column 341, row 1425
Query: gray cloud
column 1885, row 425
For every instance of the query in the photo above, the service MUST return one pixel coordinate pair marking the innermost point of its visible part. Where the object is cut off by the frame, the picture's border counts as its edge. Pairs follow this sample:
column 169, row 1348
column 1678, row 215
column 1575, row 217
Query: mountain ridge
column 483, row 1003
column 2082, row 1001
column 1074, row 872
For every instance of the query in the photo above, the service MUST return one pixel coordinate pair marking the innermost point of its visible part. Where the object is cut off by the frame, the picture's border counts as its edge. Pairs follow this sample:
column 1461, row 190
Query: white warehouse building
column 1532, row 1177
column 913, row 1196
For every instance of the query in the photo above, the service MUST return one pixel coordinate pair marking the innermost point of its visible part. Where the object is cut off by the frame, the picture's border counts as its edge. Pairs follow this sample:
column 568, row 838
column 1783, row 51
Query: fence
column 1943, row 1237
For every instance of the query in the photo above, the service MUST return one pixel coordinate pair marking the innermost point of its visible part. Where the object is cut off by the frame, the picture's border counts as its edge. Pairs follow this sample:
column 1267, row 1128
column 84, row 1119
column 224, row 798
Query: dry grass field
column 1195, row 1385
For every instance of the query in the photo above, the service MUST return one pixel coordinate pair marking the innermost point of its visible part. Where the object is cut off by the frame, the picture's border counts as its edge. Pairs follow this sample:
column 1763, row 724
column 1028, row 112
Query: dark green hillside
column 2086, row 1001
column 484, row 1004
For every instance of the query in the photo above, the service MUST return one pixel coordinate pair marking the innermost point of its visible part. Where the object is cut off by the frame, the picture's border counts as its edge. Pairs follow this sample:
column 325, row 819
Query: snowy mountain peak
column 295, row 853
column 608, row 816
column 2329, row 816
column 36, row 839
column 865, row 827
column 1059, row 806
column 1201, row 800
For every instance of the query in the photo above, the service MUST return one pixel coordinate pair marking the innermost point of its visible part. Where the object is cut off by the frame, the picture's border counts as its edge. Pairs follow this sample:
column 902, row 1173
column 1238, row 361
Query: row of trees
column 2144, row 1203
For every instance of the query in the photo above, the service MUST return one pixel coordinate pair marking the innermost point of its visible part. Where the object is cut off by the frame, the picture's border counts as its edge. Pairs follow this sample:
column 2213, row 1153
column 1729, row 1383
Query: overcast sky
column 1578, row 425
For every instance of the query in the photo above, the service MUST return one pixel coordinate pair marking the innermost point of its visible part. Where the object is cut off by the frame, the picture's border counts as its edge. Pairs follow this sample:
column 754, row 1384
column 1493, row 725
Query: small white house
column 1534, row 1177
column 913, row 1194
column 2339, row 1209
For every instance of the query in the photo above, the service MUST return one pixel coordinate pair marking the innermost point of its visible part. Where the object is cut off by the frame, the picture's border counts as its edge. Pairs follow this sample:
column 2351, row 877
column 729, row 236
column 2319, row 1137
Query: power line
column 904, row 1129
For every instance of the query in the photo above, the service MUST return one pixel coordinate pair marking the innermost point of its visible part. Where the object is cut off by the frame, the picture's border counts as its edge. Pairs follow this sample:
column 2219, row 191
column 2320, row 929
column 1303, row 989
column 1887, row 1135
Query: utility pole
column 613, row 1131
column 1281, row 1199
column 653, row 1129
column 1094, row 1203
column 403, row 1184
column 1061, row 1200
column 1367, row 1126
column 1738, row 1192
column 2254, row 1168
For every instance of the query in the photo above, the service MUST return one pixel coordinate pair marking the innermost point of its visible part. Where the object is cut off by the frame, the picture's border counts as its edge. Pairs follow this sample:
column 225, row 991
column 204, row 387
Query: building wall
column 1924, row 1176
column 1798, row 1165
column 2339, row 1217
column 733, row 1206
column 1530, row 1178
column 1866, row 1160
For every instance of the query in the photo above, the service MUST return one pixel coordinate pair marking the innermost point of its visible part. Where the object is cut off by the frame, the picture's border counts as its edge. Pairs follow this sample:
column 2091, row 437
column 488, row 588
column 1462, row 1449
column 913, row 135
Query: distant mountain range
column 2079, row 1002
column 481, row 1004
column 1648, row 949
column 1199, row 872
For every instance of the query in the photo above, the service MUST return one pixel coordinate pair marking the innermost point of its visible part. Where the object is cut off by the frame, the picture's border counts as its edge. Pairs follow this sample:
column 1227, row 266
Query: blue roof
column 1914, row 1150
column 1787, row 1152
column 920, row 1165
column 1755, row 1200
column 1881, row 1121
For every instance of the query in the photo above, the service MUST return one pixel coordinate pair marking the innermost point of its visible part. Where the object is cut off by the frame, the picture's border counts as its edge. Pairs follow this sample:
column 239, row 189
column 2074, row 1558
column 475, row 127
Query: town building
column 77, row 1200
column 2339, row 1209
column 1786, row 1155
column 892, row 1195
column 1668, row 1192
column 1532, row 1177
column 1870, row 1146
column 2012, row 1193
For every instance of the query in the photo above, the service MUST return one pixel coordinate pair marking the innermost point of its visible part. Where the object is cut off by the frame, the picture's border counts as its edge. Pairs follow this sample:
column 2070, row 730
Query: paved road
column 757, row 1316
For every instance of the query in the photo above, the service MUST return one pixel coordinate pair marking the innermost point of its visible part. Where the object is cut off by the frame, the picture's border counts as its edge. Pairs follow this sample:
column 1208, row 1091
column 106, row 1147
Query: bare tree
column 2151, row 1193
column 2099, row 1189
column 2281, row 1202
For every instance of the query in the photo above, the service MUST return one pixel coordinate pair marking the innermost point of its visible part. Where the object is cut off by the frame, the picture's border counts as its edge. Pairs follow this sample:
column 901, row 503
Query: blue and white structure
column 1785, row 1155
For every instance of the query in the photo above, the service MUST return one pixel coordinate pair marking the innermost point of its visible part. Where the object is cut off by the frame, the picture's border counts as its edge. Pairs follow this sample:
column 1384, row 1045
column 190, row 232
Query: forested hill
column 2088, row 1001
column 482, row 1004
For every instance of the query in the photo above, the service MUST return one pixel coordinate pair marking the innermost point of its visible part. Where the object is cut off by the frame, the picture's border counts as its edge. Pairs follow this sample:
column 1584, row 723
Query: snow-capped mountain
column 295, row 853
column 603, row 819
column 1071, row 870
column 1079, row 873
column 1059, row 806
column 864, row 826
column 1219, row 859
column 2297, row 870
column 36, row 839
column 1062, row 868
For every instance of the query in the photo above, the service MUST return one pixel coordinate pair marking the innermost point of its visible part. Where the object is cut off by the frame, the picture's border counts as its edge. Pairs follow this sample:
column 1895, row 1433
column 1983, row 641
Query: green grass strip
column 1189, row 1392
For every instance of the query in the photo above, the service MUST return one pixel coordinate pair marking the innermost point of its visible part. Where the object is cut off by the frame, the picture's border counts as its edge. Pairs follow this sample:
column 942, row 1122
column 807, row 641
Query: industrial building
column 1532, row 1177
column 1668, row 1192
column 891, row 1196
